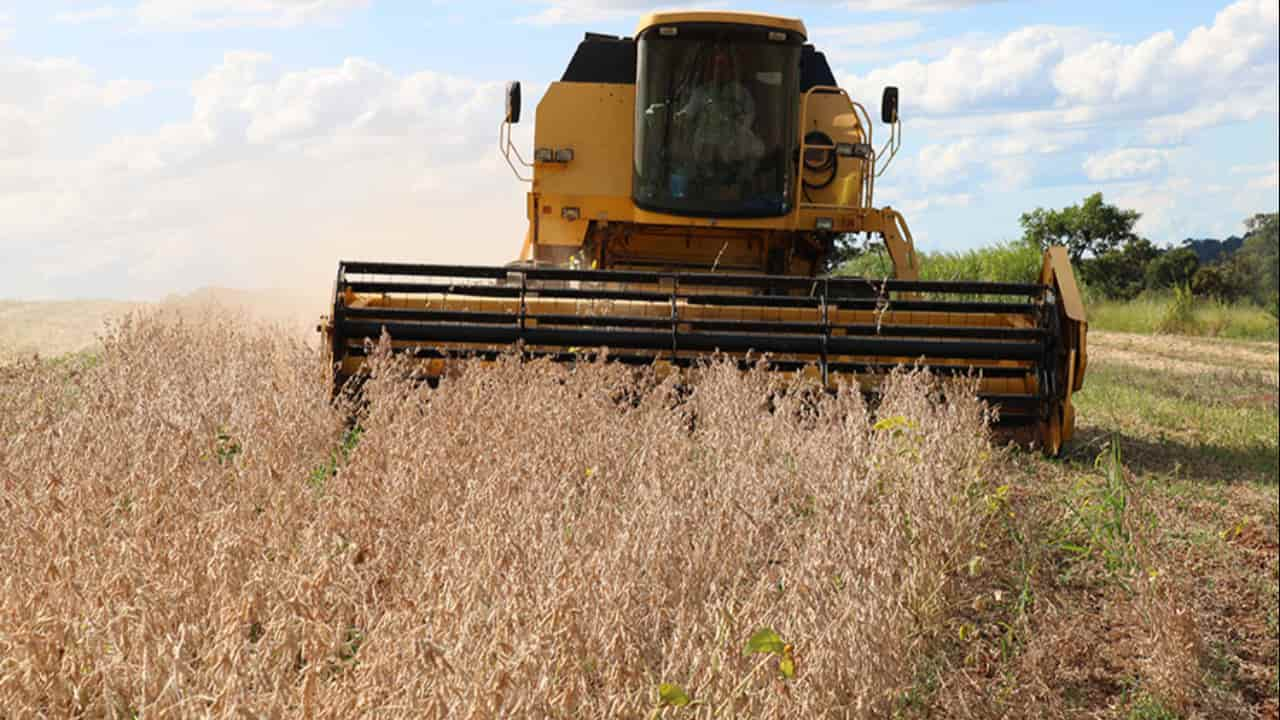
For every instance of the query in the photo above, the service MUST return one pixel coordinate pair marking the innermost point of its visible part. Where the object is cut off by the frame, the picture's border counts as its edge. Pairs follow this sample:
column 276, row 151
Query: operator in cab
column 718, row 120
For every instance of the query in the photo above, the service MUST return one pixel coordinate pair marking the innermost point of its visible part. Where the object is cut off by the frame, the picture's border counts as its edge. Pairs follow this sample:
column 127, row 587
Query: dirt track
column 1187, row 356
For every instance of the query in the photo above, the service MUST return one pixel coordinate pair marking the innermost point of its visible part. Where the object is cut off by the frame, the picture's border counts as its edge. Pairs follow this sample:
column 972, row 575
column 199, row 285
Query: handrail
column 866, row 128
column 868, row 167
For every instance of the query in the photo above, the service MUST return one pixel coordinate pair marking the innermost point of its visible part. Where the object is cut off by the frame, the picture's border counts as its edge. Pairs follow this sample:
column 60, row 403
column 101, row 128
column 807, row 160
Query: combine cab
column 687, row 188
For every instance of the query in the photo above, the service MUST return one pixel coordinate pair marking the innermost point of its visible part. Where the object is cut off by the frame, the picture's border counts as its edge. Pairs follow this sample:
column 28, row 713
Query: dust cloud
column 58, row 327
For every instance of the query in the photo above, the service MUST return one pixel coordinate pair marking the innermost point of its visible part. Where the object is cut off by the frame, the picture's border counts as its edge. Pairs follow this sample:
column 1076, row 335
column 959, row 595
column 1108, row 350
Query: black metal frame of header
column 426, row 330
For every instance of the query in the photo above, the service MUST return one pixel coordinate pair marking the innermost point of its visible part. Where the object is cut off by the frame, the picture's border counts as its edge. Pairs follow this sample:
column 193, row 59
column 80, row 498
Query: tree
column 1228, row 280
column 844, row 248
column 1172, row 268
column 1120, row 272
column 1262, row 250
column 1092, row 227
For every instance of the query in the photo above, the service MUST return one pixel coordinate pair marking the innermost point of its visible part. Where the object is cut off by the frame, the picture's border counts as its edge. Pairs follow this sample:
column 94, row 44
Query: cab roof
column 715, row 16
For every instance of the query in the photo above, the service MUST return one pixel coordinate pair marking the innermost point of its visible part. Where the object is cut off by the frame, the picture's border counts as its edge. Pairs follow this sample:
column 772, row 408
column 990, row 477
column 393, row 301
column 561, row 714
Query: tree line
column 1110, row 258
column 1116, row 262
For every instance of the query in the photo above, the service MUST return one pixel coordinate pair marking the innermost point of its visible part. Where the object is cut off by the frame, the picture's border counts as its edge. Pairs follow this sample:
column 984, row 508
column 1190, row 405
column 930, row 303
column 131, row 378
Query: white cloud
column 997, row 163
column 923, row 50
column 1242, row 105
column 1221, row 73
column 1010, row 73
column 1056, row 90
column 271, row 179
column 585, row 12
column 211, row 14
column 1158, row 204
column 1181, row 205
column 1168, row 216
column 40, row 98
column 1268, row 181
column 869, row 43
column 564, row 15
column 1267, row 175
column 45, row 103
column 1109, row 73
column 1125, row 164
column 89, row 15
column 1264, row 175
column 938, row 164
column 1242, row 35
column 1050, row 66
column 922, row 203
column 559, row 12
column 867, row 34
column 913, row 5
column 1253, row 168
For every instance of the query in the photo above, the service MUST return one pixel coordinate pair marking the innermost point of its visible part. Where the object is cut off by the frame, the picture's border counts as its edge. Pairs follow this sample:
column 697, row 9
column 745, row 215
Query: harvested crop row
column 188, row 532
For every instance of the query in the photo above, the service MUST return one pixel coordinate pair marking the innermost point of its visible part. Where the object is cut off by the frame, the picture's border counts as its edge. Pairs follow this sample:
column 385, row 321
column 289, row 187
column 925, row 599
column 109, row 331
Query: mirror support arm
column 508, row 148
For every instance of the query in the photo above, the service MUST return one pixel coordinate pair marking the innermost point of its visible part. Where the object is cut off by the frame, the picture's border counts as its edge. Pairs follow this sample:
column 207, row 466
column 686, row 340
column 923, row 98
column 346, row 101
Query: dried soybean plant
column 193, row 529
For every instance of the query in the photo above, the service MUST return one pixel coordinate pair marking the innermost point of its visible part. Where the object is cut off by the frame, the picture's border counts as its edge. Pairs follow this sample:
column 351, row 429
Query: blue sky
column 156, row 146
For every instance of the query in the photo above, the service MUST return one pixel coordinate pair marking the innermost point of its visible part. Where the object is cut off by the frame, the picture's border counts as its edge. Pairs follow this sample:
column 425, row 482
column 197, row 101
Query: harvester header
column 686, row 190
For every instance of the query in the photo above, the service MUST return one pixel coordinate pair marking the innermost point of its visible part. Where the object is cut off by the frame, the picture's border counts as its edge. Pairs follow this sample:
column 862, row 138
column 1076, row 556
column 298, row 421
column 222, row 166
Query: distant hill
column 1210, row 250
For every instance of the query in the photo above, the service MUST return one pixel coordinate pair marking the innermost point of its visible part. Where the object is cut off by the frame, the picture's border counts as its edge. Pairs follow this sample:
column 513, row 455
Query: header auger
column 687, row 189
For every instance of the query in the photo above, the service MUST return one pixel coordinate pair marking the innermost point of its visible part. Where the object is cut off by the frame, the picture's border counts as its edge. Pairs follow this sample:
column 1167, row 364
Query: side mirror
column 888, row 105
column 513, row 101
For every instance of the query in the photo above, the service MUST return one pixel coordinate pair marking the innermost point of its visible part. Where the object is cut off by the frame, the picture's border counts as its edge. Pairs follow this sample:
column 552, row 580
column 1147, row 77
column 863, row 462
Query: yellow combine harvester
column 687, row 186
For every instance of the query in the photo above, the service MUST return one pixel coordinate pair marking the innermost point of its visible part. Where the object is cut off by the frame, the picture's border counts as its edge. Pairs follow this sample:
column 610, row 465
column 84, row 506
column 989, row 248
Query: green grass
column 1018, row 261
column 1172, row 423
column 329, row 468
column 1013, row 261
column 1203, row 448
column 1096, row 525
column 1149, row 708
column 1209, row 318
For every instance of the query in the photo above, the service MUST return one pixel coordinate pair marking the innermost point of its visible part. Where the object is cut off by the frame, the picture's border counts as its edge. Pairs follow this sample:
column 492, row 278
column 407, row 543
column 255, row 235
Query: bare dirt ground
column 1135, row 577
column 1185, row 355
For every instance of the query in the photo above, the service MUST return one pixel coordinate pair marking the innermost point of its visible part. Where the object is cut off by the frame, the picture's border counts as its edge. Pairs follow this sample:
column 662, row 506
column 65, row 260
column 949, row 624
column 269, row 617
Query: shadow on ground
column 1205, row 462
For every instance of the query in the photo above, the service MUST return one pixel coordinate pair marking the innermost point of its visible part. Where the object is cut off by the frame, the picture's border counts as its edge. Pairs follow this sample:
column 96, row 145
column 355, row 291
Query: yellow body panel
column 830, row 114
column 596, row 121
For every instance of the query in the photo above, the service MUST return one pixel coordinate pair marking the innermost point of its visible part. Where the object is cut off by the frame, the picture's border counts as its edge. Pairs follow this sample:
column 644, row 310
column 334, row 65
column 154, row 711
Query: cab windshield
column 715, row 120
